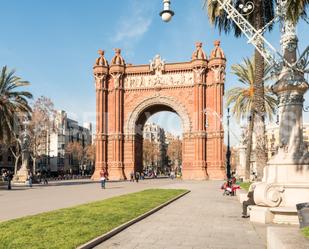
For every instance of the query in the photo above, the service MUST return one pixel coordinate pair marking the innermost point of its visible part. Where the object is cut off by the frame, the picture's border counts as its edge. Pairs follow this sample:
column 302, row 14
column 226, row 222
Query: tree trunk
column 249, row 145
column 259, row 100
column 34, row 164
column 16, row 165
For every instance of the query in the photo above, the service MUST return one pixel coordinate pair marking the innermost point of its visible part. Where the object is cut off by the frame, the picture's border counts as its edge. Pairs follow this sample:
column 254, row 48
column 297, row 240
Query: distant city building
column 169, row 137
column 156, row 134
column 66, row 130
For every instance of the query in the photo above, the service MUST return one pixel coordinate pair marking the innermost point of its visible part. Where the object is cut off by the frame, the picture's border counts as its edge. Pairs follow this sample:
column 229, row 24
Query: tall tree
column 263, row 13
column 242, row 99
column 151, row 152
column 174, row 151
column 90, row 154
column 13, row 103
column 78, row 153
column 41, row 125
column 15, row 149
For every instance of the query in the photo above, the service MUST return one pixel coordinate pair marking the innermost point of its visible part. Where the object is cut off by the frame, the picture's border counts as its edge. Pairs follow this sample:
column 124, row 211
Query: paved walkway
column 202, row 219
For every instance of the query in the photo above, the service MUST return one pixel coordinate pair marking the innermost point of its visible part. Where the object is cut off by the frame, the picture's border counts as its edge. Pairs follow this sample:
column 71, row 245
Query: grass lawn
column 245, row 185
column 305, row 231
column 71, row 227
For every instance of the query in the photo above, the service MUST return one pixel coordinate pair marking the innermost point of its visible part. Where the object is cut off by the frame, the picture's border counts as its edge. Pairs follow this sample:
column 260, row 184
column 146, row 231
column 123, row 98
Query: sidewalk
column 202, row 219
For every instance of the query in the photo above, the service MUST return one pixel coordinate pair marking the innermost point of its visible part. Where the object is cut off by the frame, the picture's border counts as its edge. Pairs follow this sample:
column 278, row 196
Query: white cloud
column 132, row 29
column 135, row 24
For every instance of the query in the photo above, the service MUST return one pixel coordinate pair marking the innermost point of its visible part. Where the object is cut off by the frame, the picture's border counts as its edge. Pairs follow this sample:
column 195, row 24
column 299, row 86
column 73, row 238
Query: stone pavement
column 201, row 219
column 22, row 201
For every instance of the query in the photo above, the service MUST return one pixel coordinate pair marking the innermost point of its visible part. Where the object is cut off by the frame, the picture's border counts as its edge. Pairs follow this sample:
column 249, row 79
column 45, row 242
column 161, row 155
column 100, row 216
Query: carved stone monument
column 22, row 173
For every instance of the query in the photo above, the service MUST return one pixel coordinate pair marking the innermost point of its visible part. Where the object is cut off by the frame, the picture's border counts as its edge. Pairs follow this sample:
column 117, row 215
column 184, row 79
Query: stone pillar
column 214, row 112
column 241, row 163
column 100, row 71
column 117, row 69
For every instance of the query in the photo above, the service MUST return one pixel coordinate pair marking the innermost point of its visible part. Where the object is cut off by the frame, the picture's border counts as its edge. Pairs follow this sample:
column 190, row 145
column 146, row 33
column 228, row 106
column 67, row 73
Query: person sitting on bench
column 248, row 202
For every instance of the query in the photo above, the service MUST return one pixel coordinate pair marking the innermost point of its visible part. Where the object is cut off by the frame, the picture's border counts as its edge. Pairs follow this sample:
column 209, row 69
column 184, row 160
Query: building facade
column 126, row 95
column 55, row 159
column 154, row 133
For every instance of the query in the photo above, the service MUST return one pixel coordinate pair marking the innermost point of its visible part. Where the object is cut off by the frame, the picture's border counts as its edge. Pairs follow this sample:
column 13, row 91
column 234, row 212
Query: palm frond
column 241, row 98
column 12, row 103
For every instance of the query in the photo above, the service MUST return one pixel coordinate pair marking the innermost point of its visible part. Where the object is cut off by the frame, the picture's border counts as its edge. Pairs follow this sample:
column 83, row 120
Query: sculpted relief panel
column 158, row 78
column 162, row 80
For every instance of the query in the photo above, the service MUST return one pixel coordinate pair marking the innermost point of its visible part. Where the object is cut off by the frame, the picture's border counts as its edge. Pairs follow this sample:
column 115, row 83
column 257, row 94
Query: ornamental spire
column 117, row 59
column 101, row 61
column 217, row 52
column 199, row 53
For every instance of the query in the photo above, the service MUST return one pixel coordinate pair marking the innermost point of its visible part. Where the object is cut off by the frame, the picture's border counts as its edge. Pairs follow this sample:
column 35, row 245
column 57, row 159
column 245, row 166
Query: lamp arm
column 255, row 37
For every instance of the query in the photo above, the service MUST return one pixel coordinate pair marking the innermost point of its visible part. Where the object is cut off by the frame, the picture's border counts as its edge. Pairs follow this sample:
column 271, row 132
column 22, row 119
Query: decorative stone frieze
column 162, row 80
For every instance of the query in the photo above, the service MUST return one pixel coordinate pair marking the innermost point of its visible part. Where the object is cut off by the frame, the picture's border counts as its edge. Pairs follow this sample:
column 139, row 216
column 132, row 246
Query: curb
column 98, row 240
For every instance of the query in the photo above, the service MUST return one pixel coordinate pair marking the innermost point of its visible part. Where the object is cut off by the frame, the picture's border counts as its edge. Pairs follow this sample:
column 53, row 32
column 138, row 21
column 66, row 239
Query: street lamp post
column 228, row 150
column 166, row 14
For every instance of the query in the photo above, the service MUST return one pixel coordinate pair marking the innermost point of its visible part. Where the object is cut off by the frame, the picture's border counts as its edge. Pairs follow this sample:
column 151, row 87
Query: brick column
column 117, row 69
column 198, row 168
column 215, row 132
column 100, row 71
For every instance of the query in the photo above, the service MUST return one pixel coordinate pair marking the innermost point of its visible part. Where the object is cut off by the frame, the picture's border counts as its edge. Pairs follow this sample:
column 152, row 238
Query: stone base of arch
column 194, row 173
column 116, row 171
column 188, row 173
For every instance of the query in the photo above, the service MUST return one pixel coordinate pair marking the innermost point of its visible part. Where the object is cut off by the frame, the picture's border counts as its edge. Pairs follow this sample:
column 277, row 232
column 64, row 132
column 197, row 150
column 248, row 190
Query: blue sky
column 53, row 44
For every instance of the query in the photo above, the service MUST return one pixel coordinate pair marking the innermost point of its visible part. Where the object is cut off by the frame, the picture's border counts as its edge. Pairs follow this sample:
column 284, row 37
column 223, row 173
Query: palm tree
column 13, row 103
column 242, row 99
column 263, row 13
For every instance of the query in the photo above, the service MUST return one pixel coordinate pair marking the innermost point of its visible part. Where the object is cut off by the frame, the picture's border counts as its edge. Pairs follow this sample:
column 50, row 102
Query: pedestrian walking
column 45, row 179
column 137, row 175
column 132, row 176
column 172, row 175
column 9, row 178
column 30, row 178
column 102, row 178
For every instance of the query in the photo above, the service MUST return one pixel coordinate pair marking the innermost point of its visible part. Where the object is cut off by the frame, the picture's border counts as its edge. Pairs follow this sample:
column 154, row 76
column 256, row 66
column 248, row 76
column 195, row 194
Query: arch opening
column 158, row 142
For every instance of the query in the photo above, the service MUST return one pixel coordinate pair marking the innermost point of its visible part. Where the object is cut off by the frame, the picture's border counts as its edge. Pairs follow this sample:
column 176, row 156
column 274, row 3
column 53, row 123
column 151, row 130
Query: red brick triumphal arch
column 126, row 95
